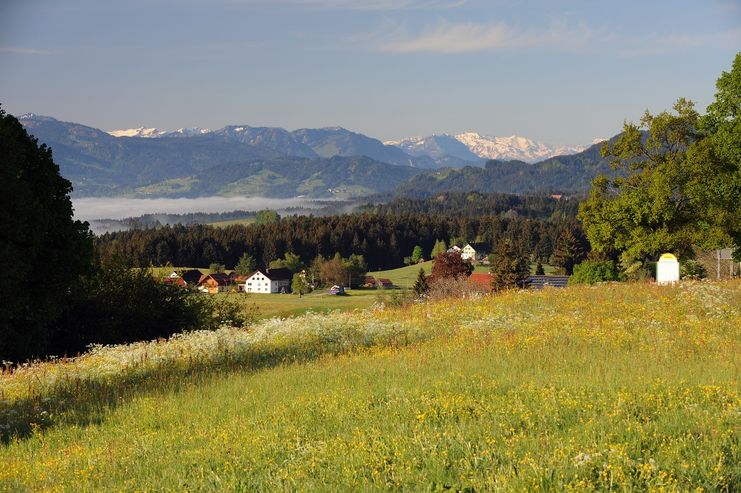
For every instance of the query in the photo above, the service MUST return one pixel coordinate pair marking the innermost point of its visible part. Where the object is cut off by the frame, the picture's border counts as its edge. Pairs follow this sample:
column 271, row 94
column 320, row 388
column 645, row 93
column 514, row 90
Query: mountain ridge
column 472, row 146
column 240, row 159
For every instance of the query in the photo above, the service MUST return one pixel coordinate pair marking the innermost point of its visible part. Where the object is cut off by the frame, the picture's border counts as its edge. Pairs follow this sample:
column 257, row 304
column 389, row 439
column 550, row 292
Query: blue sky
column 564, row 72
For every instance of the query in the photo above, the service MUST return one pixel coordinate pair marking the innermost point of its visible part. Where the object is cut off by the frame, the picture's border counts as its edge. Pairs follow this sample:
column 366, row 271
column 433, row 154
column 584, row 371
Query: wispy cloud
column 450, row 38
column 667, row 43
column 27, row 51
column 465, row 37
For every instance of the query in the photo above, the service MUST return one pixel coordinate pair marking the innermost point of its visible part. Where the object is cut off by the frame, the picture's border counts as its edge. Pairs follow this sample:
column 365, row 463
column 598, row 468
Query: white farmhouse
column 477, row 252
column 270, row 281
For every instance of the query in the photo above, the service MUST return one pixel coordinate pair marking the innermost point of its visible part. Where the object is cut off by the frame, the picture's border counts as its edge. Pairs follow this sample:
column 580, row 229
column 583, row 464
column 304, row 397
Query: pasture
column 614, row 387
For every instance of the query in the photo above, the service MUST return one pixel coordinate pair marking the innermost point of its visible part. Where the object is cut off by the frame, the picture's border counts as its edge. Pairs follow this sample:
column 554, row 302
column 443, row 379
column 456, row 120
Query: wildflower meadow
column 624, row 387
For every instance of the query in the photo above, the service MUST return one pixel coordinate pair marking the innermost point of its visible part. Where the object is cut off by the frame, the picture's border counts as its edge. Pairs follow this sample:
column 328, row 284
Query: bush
column 640, row 271
column 593, row 271
column 692, row 269
column 459, row 287
column 118, row 305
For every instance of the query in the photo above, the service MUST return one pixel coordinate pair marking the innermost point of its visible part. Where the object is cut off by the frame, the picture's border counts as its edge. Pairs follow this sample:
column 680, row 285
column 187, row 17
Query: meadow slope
column 615, row 387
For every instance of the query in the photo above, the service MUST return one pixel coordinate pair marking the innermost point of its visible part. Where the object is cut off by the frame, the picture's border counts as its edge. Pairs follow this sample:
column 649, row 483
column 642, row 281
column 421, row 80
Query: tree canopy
column 43, row 249
column 680, row 182
column 508, row 267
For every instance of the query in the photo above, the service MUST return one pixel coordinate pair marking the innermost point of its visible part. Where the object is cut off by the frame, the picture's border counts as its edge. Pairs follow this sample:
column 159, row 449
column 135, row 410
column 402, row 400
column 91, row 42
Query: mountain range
column 271, row 161
column 443, row 149
column 472, row 146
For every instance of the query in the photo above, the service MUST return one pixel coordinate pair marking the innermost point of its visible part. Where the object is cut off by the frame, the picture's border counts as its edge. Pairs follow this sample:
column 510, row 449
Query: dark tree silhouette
column 42, row 249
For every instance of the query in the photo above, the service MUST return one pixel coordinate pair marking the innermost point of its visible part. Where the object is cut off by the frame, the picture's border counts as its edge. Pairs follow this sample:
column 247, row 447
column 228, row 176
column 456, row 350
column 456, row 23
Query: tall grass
column 616, row 387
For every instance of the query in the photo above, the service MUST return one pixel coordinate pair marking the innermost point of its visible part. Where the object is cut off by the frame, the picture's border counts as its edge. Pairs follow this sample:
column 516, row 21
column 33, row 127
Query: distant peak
column 34, row 116
column 138, row 132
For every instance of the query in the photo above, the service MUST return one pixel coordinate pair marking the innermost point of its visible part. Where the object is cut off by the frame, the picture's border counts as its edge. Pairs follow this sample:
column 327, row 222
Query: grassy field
column 615, row 387
column 288, row 305
column 403, row 277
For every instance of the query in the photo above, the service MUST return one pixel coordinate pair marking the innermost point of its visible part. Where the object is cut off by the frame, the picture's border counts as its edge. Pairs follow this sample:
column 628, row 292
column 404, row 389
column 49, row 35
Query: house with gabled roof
column 218, row 282
column 269, row 281
column 385, row 283
column 476, row 252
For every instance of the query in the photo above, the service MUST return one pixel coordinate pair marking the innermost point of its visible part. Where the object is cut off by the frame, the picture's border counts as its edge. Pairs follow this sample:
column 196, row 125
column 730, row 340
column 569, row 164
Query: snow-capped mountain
column 435, row 146
column 483, row 147
column 144, row 132
column 138, row 132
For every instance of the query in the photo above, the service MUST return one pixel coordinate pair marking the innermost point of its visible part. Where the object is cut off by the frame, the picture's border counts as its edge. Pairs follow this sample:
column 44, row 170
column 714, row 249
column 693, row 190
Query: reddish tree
column 449, row 266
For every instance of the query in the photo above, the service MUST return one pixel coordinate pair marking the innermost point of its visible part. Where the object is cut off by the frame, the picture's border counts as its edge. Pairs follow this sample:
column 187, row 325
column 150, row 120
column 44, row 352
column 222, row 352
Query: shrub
column 592, row 271
column 459, row 287
column 692, row 269
column 118, row 305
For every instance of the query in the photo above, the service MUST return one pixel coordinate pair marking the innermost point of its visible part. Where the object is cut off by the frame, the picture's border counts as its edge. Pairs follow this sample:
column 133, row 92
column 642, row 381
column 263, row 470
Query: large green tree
column 508, row 266
column 679, row 181
column 722, row 146
column 646, row 209
column 568, row 252
column 43, row 250
column 246, row 264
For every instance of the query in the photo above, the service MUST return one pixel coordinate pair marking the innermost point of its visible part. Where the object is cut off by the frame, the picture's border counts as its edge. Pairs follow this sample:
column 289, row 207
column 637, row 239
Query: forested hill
column 337, row 177
column 330, row 162
column 100, row 164
column 572, row 173
column 383, row 239
column 475, row 204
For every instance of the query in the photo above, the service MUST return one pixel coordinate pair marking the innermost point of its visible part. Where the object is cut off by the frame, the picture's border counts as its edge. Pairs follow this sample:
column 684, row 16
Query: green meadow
column 624, row 387
column 319, row 301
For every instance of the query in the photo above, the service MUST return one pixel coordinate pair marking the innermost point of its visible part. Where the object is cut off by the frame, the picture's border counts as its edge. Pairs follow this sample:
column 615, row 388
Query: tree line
column 473, row 204
column 384, row 240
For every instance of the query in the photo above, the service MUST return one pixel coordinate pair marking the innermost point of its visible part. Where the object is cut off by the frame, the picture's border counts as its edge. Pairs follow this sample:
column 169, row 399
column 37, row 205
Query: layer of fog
column 91, row 208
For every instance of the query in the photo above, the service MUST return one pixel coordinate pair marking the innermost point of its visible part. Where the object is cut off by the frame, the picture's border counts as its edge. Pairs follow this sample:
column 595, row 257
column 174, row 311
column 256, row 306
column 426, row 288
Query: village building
column 218, row 282
column 175, row 281
column 476, row 252
column 481, row 279
column 238, row 280
column 384, row 283
column 270, row 281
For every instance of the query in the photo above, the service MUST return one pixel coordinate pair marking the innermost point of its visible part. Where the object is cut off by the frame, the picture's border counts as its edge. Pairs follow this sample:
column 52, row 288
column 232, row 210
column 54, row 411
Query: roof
column 280, row 274
column 385, row 281
column 539, row 282
column 481, row 278
column 220, row 278
column 480, row 246
column 239, row 277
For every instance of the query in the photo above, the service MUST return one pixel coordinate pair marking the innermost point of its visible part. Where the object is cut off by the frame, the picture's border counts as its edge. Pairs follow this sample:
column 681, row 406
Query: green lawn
column 403, row 277
column 288, row 305
column 616, row 387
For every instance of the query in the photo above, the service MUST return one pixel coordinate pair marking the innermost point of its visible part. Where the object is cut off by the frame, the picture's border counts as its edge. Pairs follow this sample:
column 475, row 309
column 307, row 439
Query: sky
column 562, row 72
